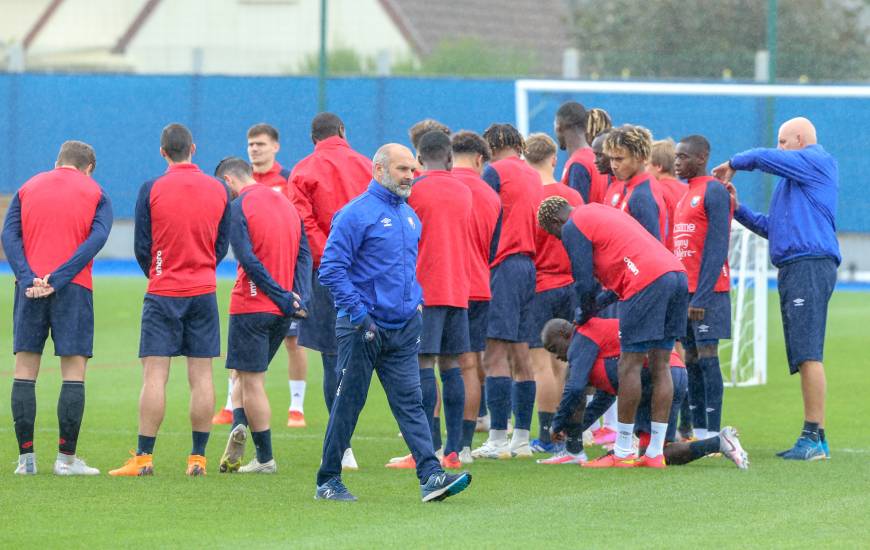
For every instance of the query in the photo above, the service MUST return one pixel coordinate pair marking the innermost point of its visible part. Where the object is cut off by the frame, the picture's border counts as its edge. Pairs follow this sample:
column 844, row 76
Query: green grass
column 510, row 504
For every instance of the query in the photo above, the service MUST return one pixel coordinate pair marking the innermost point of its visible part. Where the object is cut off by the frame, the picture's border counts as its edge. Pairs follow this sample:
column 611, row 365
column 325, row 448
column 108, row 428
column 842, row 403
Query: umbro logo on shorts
column 703, row 328
column 798, row 302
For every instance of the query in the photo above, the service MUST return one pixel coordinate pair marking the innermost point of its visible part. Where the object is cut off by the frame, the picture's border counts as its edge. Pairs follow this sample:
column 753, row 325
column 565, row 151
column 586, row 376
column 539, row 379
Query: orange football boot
column 295, row 419
column 196, row 465
column 137, row 465
column 224, row 416
column 651, row 462
column 610, row 460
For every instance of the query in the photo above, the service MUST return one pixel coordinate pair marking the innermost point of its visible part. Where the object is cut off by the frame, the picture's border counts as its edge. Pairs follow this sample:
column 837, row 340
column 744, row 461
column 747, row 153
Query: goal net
column 733, row 117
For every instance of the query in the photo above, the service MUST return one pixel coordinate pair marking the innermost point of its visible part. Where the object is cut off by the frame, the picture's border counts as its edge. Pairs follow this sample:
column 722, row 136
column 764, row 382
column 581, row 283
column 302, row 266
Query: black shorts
column 715, row 326
column 656, row 316
column 68, row 314
column 253, row 340
column 478, row 313
column 510, row 309
column 805, row 287
column 556, row 303
column 445, row 331
column 173, row 326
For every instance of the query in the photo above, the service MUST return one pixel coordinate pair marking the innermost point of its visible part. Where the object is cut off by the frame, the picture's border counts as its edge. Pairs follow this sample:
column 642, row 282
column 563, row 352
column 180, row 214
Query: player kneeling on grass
column 269, row 243
column 592, row 351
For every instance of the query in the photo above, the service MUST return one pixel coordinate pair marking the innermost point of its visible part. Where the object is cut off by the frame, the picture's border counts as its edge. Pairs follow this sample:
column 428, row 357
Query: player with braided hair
column 605, row 245
column 579, row 173
column 597, row 122
column 629, row 150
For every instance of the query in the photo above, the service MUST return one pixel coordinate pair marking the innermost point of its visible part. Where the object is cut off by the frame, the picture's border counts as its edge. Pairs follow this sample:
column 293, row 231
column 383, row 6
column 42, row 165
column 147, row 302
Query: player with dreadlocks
column 597, row 122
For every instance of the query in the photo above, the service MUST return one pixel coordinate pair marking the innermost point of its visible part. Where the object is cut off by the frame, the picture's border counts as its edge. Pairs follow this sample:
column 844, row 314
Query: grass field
column 510, row 504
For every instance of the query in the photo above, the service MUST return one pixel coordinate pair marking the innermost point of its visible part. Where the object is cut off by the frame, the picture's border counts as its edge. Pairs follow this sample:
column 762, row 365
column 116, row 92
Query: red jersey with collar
column 672, row 191
column 552, row 266
column 486, row 208
column 275, row 232
column 275, row 177
column 443, row 204
column 690, row 233
column 186, row 207
column 57, row 210
column 625, row 257
column 322, row 183
column 605, row 334
column 644, row 187
column 598, row 182
column 519, row 188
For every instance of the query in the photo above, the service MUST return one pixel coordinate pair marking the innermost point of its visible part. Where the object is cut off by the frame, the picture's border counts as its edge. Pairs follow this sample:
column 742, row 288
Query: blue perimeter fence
column 122, row 116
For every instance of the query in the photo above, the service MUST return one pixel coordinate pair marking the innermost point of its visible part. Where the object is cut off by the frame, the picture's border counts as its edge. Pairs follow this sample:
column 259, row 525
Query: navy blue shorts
column 643, row 418
column 805, row 287
column 317, row 331
column 445, row 331
column 293, row 328
column 715, row 326
column 173, row 326
column 68, row 313
column 656, row 316
column 477, row 321
column 510, row 309
column 556, row 303
column 253, row 340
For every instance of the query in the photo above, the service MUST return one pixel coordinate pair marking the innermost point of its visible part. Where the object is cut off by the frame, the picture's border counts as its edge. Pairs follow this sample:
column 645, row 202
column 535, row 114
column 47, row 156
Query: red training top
column 672, row 191
column 519, row 187
column 584, row 160
column 552, row 266
column 443, row 204
column 57, row 210
column 642, row 199
column 605, row 334
column 486, row 208
column 323, row 182
column 275, row 177
column 275, row 232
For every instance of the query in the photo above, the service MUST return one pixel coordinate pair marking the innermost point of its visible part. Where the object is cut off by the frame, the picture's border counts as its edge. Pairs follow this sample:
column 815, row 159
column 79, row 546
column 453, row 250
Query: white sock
column 657, row 439
column 519, row 437
column 711, row 433
column 229, row 405
column 700, row 433
column 297, row 395
column 624, row 433
column 609, row 417
column 498, row 436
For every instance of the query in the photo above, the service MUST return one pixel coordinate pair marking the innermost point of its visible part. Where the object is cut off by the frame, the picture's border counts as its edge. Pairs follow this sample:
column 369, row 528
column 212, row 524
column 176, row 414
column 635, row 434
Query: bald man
column 800, row 226
column 369, row 265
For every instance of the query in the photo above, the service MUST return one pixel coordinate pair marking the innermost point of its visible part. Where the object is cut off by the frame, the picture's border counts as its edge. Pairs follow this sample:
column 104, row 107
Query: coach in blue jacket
column 800, row 226
column 369, row 264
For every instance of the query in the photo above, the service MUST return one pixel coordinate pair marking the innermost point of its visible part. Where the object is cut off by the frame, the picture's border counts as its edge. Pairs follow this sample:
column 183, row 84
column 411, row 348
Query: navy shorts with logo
column 805, row 287
column 715, row 326
column 643, row 418
column 253, row 340
column 445, row 331
column 656, row 316
column 317, row 331
column 477, row 321
column 513, row 290
column 556, row 303
column 173, row 326
column 68, row 314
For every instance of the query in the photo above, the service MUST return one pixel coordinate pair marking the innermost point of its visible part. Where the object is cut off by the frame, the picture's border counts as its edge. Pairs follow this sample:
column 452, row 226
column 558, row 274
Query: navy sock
column 481, row 411
column 430, row 397
column 545, row 420
column 436, row 432
column 330, row 378
column 523, row 397
column 468, row 432
column 822, row 435
column 239, row 417
column 574, row 438
column 453, row 394
column 685, row 415
column 704, row 447
column 24, row 413
column 70, row 409
column 713, row 390
column 146, row 445
column 263, row 444
column 498, row 401
column 697, row 399
column 811, row 431
column 200, row 440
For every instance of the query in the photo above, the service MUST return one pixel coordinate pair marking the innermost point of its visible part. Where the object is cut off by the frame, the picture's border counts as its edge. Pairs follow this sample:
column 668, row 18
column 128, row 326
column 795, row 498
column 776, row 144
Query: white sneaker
column 71, row 465
column 482, row 424
column 255, row 467
column 588, row 438
column 520, row 444
column 730, row 446
column 348, row 461
column 231, row 460
column 493, row 449
column 26, row 464
column 564, row 457
column 439, row 454
column 465, row 456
